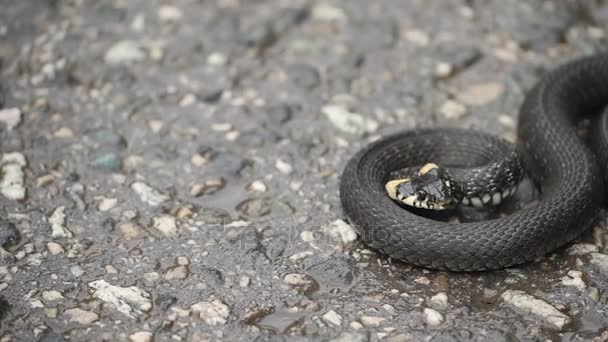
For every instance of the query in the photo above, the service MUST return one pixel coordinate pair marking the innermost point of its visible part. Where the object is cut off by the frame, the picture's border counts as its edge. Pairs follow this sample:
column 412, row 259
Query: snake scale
column 570, row 173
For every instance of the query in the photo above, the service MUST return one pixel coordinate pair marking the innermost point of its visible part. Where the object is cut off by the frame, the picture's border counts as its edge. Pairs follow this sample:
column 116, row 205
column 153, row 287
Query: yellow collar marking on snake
column 428, row 167
column 391, row 187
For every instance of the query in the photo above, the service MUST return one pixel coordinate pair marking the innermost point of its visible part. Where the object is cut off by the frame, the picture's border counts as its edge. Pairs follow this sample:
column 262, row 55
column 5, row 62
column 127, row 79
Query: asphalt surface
column 170, row 169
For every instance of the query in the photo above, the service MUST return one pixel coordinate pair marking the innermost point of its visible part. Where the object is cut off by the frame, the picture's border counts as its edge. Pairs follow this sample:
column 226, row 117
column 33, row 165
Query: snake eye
column 421, row 194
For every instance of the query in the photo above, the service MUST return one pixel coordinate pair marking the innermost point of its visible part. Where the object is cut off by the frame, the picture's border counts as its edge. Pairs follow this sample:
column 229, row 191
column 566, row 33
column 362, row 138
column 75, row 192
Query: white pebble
column 433, row 317
column 148, row 194
column 11, row 117
column 333, row 318
column 13, row 177
column 124, row 52
column 58, row 224
column 166, row 225
column 283, row 167
column 212, row 313
column 348, row 121
column 169, row 13
column 439, row 301
column 80, row 316
column 130, row 301
column 341, row 231
column 529, row 305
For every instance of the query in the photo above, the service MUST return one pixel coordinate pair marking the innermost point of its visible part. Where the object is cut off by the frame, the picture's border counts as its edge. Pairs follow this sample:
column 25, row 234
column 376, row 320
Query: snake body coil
column 565, row 169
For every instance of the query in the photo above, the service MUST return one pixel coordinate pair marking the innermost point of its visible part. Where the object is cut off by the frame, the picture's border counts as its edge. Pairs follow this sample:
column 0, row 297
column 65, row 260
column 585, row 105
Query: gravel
column 170, row 169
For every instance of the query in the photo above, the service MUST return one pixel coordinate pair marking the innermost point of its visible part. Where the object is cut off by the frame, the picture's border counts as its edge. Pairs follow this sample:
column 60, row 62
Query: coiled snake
column 570, row 174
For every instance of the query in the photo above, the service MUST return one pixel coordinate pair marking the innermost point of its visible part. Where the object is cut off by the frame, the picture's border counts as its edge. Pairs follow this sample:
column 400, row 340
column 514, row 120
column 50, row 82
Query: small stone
column 333, row 318
column 51, row 313
column 52, row 295
column 45, row 180
column 109, row 137
column 529, row 305
column 130, row 230
column 481, row 94
column 399, row 338
column 439, row 301
column 124, row 52
column 341, row 232
column 283, row 167
column 11, row 117
column 166, row 225
column 54, row 248
column 12, row 185
column 348, row 121
column 279, row 115
column 179, row 272
column 417, row 37
column 107, row 161
column 575, row 279
column 601, row 261
column 64, row 133
column 244, row 281
column 258, row 186
column 168, row 13
column 184, row 212
column 106, row 204
column 212, row 313
column 260, row 35
column 131, row 301
column 443, row 70
column 81, row 316
column 9, row 235
column 58, row 224
column 433, row 317
column 372, row 321
column 582, row 249
column 76, row 271
column 182, row 260
column 453, row 110
column 141, row 336
column 148, row 194
column 217, row 59
column 301, row 281
column 327, row 12
column 210, row 187
column 111, row 269
column 303, row 75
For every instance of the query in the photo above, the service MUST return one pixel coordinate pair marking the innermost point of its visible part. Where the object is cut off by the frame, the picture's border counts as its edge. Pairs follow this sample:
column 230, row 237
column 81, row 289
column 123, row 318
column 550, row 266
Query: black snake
column 570, row 173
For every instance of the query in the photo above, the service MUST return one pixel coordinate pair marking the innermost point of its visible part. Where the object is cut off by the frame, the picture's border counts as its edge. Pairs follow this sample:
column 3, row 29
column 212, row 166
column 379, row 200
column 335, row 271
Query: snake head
column 430, row 188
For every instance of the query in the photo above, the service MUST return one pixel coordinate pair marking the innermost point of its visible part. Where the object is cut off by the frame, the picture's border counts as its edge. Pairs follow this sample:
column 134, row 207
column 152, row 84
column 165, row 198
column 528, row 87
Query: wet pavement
column 170, row 169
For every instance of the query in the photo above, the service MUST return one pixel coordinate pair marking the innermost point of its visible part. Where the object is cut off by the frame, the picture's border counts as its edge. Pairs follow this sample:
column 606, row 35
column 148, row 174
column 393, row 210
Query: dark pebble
column 165, row 301
column 211, row 276
column 334, row 272
column 228, row 163
column 260, row 35
column 9, row 235
column 303, row 75
column 108, row 137
column 106, row 161
column 255, row 208
column 459, row 56
column 375, row 35
column 258, row 138
column 289, row 18
column 280, row 114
